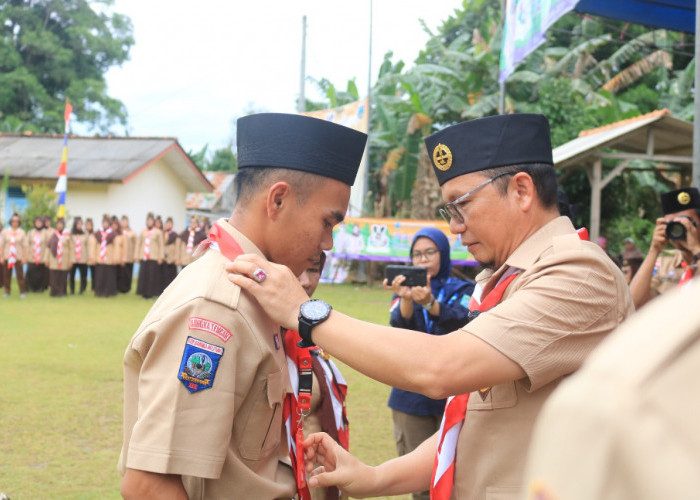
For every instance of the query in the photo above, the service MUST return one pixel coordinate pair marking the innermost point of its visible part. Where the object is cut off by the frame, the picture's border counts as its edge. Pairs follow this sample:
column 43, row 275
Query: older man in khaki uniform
column 626, row 425
column 205, row 375
column 666, row 269
column 546, row 299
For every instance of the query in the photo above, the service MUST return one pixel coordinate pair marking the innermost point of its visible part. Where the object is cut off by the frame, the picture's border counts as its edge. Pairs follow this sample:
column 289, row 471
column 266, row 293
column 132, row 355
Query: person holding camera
column 662, row 269
column 437, row 307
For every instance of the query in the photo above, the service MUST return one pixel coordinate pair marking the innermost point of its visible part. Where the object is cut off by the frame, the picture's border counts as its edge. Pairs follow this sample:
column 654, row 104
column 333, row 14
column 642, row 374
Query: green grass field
column 61, row 395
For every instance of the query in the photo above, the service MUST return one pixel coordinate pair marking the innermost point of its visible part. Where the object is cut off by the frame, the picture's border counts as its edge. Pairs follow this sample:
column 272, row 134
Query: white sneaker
column 22, row 295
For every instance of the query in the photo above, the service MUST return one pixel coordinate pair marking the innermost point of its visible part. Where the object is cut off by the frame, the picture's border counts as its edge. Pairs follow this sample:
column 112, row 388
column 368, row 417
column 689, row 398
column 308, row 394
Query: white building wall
column 86, row 200
column 154, row 189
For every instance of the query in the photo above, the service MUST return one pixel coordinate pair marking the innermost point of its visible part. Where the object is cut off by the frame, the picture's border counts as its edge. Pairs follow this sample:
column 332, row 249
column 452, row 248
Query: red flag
column 68, row 111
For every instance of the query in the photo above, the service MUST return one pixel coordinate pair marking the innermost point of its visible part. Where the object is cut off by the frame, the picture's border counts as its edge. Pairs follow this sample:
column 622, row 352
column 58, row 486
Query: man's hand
column 329, row 464
column 691, row 243
column 280, row 294
column 658, row 238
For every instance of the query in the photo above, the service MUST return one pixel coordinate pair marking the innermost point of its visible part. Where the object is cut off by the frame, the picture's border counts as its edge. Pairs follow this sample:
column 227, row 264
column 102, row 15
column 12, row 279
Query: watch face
column 315, row 309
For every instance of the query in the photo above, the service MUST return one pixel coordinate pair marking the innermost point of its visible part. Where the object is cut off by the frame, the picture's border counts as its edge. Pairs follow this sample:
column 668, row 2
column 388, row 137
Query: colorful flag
column 526, row 22
column 62, row 183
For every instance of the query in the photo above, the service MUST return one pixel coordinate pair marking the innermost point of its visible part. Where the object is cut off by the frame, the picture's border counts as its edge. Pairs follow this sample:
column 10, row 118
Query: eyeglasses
column 450, row 211
column 428, row 254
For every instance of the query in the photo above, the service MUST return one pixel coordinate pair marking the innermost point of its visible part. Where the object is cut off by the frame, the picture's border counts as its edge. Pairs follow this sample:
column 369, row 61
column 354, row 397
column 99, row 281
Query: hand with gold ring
column 274, row 286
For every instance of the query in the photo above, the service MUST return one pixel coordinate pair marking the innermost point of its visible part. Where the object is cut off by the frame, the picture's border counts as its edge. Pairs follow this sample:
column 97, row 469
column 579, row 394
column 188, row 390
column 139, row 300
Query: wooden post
column 596, row 187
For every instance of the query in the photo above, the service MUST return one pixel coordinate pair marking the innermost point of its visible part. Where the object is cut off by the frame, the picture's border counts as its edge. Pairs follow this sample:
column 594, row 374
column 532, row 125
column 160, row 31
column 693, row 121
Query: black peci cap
column 494, row 141
column 300, row 142
column 679, row 200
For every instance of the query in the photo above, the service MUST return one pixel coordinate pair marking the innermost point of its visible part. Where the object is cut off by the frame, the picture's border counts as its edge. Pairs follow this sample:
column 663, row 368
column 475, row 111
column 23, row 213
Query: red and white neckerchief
column 442, row 479
column 297, row 405
column 37, row 247
column 103, row 243
column 78, row 248
column 147, row 244
column 59, row 248
column 687, row 276
column 190, row 241
column 338, row 390
column 220, row 241
column 12, row 257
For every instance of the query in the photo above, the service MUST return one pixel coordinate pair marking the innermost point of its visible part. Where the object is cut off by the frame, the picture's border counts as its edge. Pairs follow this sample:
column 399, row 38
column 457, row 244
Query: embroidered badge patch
column 199, row 363
column 209, row 326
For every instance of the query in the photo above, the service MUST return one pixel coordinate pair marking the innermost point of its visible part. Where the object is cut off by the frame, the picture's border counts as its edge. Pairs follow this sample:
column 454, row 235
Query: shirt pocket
column 263, row 427
column 494, row 398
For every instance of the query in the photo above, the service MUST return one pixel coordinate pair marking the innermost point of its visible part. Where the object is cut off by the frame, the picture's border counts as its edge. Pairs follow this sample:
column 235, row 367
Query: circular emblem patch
column 442, row 157
column 683, row 198
column 199, row 366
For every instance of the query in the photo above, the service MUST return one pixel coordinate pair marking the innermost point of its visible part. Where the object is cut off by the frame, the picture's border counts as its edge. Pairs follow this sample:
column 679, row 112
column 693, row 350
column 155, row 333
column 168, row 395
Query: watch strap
column 305, row 333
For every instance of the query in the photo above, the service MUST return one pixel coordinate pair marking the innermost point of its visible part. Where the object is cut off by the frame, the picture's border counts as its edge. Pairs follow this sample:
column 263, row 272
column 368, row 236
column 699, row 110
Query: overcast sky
column 196, row 66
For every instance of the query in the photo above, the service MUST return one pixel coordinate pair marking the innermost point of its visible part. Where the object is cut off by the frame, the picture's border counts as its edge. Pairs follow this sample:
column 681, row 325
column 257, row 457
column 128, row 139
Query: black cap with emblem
column 494, row 141
column 300, row 142
column 679, row 200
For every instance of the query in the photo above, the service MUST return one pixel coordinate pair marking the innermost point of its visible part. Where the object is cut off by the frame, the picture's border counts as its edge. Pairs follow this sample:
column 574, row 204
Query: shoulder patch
column 199, row 363
column 209, row 326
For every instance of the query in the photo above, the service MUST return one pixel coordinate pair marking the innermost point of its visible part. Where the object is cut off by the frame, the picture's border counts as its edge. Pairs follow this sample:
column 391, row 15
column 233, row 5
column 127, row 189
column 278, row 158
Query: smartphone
column 415, row 275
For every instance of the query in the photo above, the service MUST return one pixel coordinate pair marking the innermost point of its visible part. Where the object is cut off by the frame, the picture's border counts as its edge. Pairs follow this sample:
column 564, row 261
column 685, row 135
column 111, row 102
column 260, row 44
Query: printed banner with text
column 389, row 240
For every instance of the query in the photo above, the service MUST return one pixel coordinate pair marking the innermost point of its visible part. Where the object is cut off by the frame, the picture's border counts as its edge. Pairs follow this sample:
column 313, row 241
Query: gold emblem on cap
column 442, row 157
column 683, row 198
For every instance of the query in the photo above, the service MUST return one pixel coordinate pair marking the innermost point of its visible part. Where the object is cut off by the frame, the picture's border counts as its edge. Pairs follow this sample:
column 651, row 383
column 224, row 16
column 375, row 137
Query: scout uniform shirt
column 626, row 425
column 36, row 241
column 667, row 272
column 81, row 242
column 568, row 296
column 155, row 245
column 21, row 244
column 130, row 241
column 170, row 248
column 67, row 257
column 205, row 378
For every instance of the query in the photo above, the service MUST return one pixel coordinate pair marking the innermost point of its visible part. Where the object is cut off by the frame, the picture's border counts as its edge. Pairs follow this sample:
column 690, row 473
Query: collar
column 529, row 250
column 246, row 245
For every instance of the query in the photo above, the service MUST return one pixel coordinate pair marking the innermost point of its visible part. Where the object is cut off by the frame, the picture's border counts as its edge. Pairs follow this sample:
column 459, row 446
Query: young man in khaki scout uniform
column 664, row 270
column 547, row 298
column 205, row 375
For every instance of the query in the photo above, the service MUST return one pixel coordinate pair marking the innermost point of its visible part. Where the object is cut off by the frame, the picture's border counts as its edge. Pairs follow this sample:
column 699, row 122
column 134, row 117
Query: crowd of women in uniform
column 53, row 256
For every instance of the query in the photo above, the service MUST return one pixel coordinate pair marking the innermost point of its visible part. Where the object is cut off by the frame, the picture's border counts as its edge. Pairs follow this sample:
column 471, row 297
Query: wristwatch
column 429, row 305
column 311, row 313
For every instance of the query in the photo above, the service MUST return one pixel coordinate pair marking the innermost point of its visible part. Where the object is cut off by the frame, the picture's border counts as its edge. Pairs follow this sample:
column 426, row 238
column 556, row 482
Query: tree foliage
column 53, row 50
column 41, row 201
column 589, row 72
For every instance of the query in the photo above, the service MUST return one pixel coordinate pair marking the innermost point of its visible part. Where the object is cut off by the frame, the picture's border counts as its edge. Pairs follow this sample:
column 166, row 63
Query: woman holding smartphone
column 438, row 307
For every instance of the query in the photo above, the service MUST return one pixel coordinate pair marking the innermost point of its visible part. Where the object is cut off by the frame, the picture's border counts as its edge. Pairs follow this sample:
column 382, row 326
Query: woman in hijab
column 80, row 251
column 439, row 307
column 59, row 259
column 168, row 268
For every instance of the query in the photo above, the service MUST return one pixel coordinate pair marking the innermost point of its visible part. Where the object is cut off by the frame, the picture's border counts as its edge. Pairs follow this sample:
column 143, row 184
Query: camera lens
column 675, row 231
